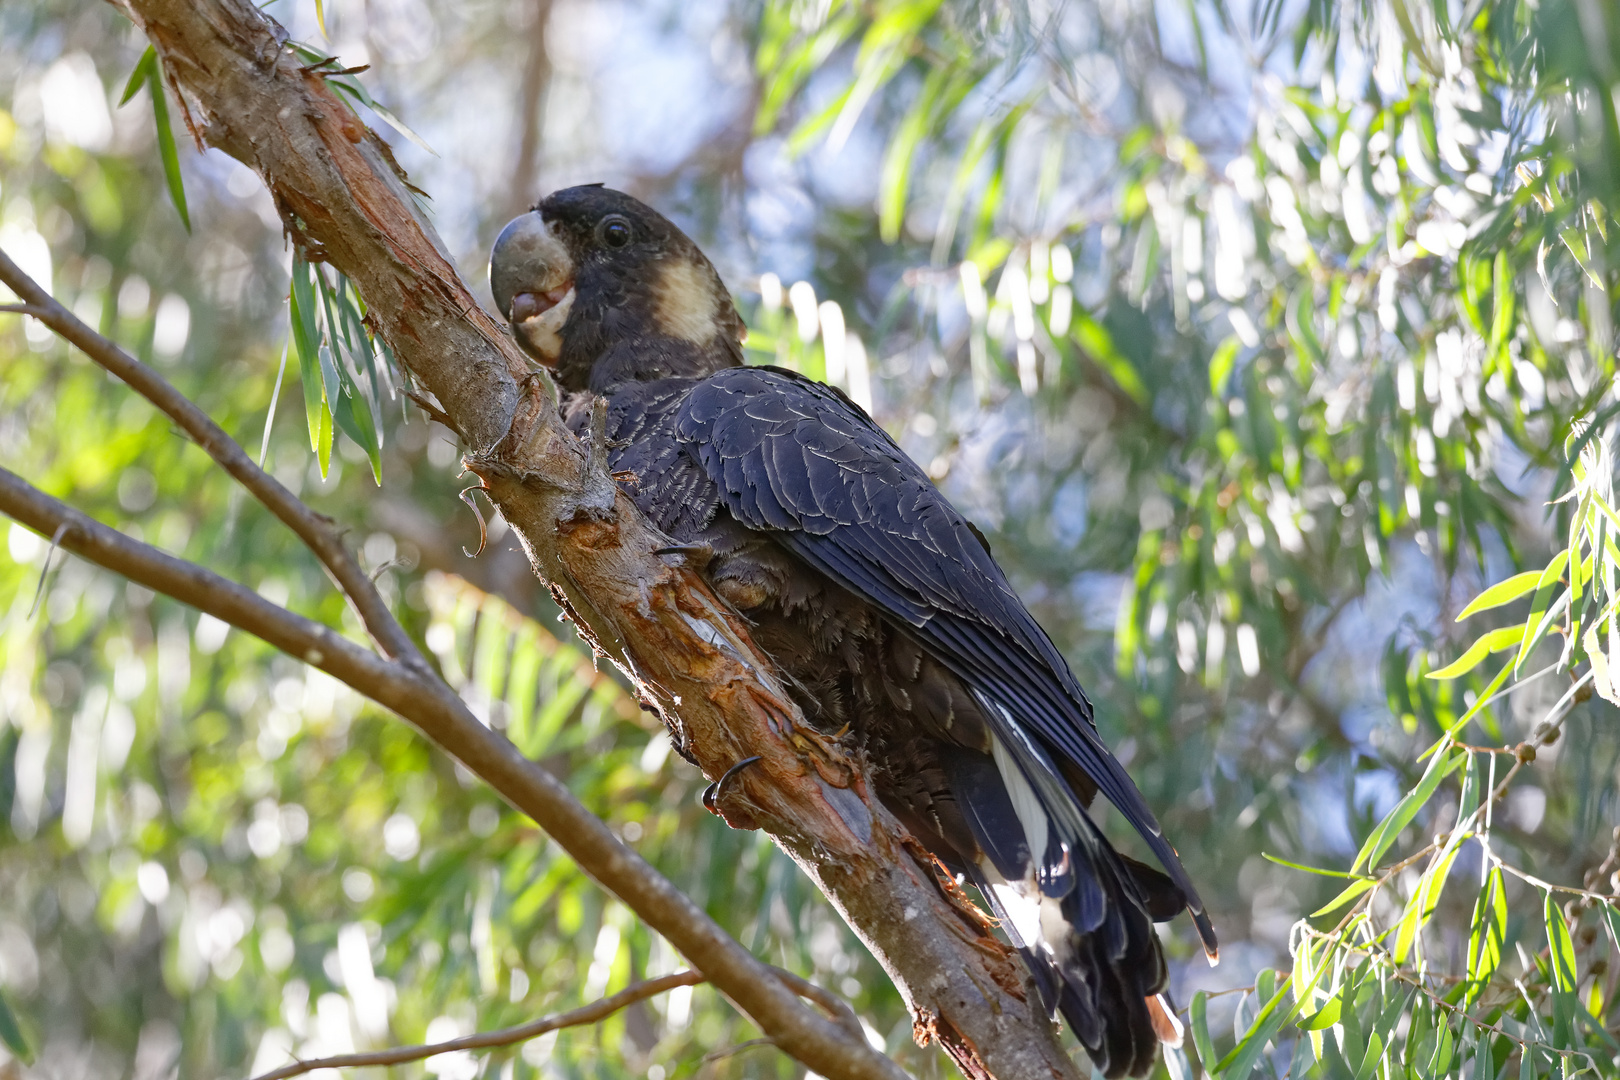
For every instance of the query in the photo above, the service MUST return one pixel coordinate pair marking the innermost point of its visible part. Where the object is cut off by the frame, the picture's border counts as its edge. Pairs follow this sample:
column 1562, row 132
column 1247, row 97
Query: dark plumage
column 881, row 602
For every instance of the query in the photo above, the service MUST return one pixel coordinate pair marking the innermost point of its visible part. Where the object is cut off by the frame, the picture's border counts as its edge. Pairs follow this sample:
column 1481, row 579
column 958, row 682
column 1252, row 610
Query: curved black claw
column 696, row 556
column 712, row 793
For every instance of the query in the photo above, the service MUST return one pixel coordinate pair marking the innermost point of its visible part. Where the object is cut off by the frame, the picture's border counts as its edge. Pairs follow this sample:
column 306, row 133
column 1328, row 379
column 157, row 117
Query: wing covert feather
column 797, row 459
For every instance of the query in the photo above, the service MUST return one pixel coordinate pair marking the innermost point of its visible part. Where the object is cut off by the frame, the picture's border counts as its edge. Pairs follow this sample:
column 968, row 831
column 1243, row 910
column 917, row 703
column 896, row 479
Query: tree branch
column 533, row 91
column 343, row 199
column 585, row 1014
column 443, row 717
column 313, row 529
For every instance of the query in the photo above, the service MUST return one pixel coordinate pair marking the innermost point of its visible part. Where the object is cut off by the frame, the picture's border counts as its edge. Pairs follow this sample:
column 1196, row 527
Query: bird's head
column 600, row 288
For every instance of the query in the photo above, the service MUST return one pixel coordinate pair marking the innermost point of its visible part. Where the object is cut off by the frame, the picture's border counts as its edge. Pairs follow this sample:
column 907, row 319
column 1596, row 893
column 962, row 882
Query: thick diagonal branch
column 342, row 198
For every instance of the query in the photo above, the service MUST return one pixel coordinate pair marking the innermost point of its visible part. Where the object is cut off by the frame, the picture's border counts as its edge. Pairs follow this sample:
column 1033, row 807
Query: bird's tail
column 1081, row 913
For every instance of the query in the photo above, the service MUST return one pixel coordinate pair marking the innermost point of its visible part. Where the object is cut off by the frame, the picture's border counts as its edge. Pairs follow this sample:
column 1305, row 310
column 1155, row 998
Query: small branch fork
column 483, row 1040
column 1522, row 755
column 313, row 529
column 402, row 680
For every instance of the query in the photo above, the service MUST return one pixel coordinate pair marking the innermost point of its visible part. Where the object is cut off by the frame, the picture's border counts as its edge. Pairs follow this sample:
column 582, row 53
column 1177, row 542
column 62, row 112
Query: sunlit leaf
column 1221, row 363
column 1198, row 1021
column 1490, row 642
column 1303, row 868
column 1561, row 948
column 167, row 151
column 306, row 341
column 1240, row 1062
column 1503, row 592
column 1543, row 610
column 138, row 77
column 1489, row 932
column 1384, row 835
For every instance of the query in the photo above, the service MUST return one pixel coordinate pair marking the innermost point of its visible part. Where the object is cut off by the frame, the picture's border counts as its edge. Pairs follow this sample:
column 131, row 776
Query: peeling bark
column 344, row 200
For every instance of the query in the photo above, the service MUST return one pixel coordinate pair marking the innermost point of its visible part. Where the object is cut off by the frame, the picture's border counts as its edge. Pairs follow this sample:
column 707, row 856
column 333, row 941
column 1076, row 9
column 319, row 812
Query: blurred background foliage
column 1253, row 336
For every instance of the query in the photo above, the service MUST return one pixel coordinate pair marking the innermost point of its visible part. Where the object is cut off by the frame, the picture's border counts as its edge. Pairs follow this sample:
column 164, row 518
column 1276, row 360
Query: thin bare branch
column 439, row 713
column 532, row 93
column 735, row 1048
column 836, row 1006
column 313, row 529
column 585, row 1014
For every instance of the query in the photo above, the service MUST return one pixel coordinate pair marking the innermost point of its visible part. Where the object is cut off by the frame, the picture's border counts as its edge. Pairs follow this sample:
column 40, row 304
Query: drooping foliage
column 1259, row 342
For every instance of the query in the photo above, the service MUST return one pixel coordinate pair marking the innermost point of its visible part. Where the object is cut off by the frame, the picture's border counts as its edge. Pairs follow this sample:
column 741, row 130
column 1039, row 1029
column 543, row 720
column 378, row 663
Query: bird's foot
column 696, row 556
column 715, row 792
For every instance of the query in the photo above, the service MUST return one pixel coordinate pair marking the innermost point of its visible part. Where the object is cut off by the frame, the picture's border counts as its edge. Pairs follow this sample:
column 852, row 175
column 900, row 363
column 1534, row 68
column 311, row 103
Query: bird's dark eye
column 615, row 231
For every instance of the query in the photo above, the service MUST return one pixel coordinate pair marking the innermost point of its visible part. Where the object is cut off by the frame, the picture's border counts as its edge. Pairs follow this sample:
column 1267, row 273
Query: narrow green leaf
column 1374, row 1055
column 275, row 398
column 352, row 88
column 11, row 1034
column 1503, row 592
column 1325, row 1017
column 1240, row 1062
column 1420, row 1025
column 166, row 146
column 1489, row 933
column 1491, row 641
column 1198, row 1020
column 1468, row 798
column 1221, row 364
column 305, row 336
column 1560, row 948
column 1543, row 610
column 320, row 18
column 1611, row 921
column 1302, row 980
column 1098, row 343
column 1422, row 904
column 1405, row 810
column 355, row 420
column 1406, row 930
column 331, row 382
column 330, row 379
column 138, row 77
column 1445, row 1046
column 1473, row 710
column 1353, row 890
column 363, row 350
column 894, row 181
column 323, row 443
column 1305, row 869
column 570, row 692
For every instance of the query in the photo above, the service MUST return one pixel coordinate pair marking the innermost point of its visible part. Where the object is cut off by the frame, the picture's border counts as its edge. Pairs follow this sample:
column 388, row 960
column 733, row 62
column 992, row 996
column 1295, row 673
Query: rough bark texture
column 342, row 197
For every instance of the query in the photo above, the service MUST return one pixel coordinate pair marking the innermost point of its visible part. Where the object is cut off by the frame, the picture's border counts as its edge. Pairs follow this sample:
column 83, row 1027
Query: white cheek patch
column 684, row 301
column 543, row 333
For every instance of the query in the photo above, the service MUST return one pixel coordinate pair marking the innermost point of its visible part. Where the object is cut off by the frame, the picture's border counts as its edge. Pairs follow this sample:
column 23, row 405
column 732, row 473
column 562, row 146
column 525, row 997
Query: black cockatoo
column 861, row 581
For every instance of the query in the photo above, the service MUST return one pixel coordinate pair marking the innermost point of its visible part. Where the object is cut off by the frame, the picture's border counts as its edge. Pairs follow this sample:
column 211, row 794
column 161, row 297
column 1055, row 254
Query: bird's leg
column 715, row 791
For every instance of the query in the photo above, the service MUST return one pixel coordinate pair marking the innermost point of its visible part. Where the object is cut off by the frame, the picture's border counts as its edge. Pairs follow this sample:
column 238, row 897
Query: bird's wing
column 797, row 459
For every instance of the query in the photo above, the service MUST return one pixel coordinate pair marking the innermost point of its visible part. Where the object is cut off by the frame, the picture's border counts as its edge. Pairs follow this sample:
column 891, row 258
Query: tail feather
column 1080, row 913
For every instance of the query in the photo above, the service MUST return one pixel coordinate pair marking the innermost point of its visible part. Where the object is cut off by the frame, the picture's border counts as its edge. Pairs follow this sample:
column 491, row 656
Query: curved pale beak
column 532, row 277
